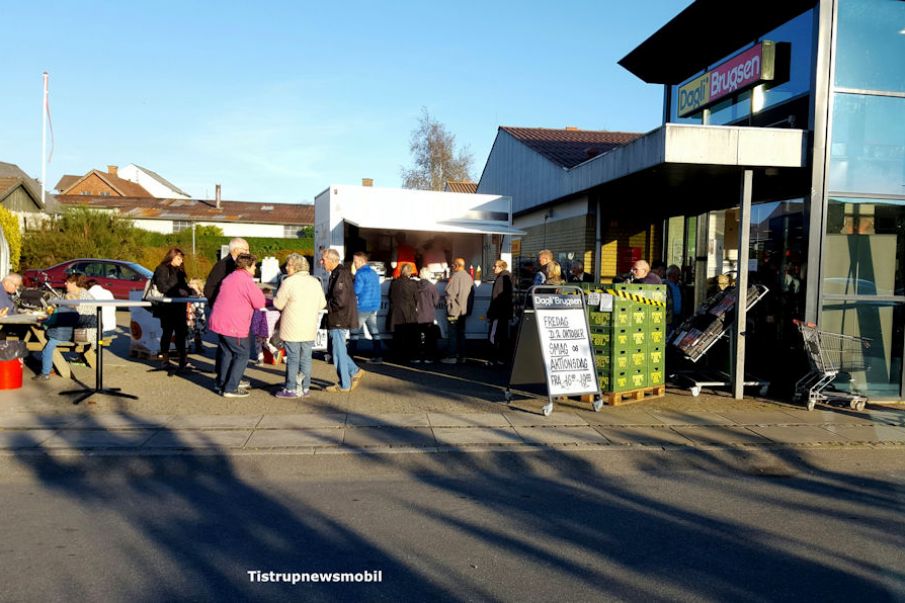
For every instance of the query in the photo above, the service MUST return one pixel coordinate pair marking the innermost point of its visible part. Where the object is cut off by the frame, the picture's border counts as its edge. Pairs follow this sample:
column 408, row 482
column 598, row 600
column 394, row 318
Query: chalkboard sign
column 554, row 341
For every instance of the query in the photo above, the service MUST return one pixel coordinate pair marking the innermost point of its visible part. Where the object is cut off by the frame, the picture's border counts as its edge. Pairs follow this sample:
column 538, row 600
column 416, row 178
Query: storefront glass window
column 884, row 324
column 870, row 49
column 777, row 259
column 799, row 34
column 864, row 252
column 675, row 240
column 868, row 148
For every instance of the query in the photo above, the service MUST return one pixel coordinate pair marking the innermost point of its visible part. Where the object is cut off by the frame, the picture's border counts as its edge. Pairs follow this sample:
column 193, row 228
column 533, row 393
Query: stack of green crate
column 629, row 342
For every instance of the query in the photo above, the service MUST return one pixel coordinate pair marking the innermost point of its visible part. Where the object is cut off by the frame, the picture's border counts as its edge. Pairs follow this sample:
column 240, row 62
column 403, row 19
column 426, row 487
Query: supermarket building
column 782, row 151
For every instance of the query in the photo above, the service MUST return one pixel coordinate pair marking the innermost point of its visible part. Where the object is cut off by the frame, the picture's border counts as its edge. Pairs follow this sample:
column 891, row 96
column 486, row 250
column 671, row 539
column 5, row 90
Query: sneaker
column 333, row 389
column 305, row 393
column 450, row 360
column 241, row 393
column 356, row 378
column 41, row 377
column 286, row 394
column 244, row 384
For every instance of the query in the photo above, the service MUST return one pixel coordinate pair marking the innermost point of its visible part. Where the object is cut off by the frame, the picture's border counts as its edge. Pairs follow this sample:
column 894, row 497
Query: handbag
column 151, row 292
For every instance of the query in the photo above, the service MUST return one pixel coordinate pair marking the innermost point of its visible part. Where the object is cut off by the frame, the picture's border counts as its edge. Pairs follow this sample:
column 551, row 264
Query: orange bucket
column 11, row 374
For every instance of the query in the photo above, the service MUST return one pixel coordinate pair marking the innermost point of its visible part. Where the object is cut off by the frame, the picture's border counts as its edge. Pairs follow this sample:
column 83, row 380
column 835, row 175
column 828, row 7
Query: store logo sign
column 736, row 75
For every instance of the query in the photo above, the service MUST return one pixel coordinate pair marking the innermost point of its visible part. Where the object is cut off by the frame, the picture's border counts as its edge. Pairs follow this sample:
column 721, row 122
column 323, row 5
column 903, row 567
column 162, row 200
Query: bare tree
column 435, row 158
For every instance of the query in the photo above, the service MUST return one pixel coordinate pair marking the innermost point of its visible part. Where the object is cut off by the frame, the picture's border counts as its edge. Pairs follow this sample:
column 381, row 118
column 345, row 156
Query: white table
column 100, row 304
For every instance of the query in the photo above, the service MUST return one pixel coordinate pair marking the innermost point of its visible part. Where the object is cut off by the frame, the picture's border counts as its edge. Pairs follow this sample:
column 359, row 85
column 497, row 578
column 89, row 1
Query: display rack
column 714, row 320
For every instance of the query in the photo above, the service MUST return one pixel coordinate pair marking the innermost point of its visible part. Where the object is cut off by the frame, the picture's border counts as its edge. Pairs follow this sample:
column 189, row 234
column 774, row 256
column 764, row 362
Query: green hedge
column 82, row 232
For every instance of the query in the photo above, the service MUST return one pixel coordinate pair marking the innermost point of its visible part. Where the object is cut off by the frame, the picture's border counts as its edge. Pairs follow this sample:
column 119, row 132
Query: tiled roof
column 66, row 181
column 150, row 208
column 123, row 187
column 454, row 186
column 569, row 147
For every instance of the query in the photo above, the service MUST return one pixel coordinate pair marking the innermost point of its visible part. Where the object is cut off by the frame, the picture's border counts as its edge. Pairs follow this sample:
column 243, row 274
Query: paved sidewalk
column 398, row 408
column 332, row 433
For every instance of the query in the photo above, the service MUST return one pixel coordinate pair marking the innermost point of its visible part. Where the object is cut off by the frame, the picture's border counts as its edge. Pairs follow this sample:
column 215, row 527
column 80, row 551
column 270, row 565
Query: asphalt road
column 739, row 525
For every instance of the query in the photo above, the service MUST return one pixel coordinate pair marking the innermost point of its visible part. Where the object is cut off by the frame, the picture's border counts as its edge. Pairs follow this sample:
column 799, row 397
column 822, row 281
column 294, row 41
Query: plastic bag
column 11, row 349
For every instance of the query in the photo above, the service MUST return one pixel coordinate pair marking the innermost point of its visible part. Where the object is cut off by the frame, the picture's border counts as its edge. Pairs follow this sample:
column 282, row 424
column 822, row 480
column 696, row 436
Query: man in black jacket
column 500, row 312
column 221, row 269
column 342, row 315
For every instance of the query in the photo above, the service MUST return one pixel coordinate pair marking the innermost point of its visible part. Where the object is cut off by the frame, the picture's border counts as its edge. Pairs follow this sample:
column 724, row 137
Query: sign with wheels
column 553, row 346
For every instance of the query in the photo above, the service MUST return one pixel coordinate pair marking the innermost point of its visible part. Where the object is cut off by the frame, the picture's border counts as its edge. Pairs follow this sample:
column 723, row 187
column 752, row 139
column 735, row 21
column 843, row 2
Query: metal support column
column 741, row 306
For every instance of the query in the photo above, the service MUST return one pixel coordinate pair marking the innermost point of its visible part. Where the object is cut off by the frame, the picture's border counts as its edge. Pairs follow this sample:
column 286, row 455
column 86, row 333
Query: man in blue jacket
column 367, row 294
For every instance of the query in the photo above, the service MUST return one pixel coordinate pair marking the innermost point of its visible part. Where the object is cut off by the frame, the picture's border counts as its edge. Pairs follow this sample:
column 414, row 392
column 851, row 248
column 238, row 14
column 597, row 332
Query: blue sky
column 278, row 100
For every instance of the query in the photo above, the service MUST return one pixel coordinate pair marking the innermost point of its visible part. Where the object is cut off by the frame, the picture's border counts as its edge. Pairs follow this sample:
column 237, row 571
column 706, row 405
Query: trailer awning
column 453, row 227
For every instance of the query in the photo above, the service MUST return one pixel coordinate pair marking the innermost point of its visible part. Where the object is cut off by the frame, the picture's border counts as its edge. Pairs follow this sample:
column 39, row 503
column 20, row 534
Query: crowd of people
column 64, row 324
column 351, row 302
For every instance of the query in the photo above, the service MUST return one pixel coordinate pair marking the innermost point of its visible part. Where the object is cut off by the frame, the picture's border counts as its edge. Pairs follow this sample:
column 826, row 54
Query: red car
column 116, row 275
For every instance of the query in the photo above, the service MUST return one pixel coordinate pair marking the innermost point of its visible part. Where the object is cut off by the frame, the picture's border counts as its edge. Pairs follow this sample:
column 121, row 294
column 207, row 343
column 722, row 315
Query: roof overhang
column 692, row 166
column 704, row 33
column 451, row 227
column 683, row 144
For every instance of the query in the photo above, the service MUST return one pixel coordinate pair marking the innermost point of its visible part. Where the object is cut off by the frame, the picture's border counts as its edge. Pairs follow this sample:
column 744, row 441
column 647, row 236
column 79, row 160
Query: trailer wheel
column 507, row 395
column 597, row 404
column 695, row 390
column 548, row 409
column 858, row 405
column 811, row 403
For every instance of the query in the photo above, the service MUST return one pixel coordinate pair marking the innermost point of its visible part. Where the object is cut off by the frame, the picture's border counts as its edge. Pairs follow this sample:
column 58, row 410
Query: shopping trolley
column 830, row 354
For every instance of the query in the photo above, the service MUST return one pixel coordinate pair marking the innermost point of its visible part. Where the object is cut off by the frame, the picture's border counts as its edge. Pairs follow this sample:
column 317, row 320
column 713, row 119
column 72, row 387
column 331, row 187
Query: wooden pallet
column 143, row 354
column 634, row 395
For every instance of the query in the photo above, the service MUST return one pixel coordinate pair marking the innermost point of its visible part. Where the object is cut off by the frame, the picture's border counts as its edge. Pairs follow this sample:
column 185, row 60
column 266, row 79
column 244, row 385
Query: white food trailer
column 438, row 226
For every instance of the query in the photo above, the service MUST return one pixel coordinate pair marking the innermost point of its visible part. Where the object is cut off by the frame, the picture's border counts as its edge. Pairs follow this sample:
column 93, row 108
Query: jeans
column 345, row 366
column 298, row 365
column 234, row 354
column 47, row 354
column 457, row 337
column 369, row 319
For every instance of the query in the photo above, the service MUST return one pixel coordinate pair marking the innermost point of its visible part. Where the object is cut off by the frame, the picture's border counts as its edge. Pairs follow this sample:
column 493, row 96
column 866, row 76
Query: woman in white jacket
column 300, row 299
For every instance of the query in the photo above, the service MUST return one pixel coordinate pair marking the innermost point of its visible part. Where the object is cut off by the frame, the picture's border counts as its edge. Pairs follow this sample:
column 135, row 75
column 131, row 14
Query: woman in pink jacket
column 237, row 301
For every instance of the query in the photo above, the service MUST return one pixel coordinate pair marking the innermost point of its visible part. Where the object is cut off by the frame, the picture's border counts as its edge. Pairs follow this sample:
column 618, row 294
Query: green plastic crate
column 655, row 377
column 600, row 319
column 656, row 358
column 638, row 359
column 601, row 339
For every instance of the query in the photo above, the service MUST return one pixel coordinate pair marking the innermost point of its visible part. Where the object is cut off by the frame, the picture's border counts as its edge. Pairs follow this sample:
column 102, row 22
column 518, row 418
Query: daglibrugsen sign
column 739, row 73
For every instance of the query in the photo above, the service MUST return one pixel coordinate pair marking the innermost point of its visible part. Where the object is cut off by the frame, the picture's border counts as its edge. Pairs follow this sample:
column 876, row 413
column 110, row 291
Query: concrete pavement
column 398, row 408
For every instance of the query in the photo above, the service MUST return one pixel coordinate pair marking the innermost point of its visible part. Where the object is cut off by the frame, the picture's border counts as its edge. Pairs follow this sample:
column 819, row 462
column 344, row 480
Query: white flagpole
column 44, row 143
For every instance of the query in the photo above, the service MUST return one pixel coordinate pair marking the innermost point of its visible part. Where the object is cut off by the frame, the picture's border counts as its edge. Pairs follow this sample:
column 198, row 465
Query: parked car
column 116, row 275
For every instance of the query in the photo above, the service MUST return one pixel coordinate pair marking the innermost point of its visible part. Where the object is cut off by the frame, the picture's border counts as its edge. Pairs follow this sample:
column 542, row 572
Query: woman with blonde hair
column 300, row 299
column 554, row 274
